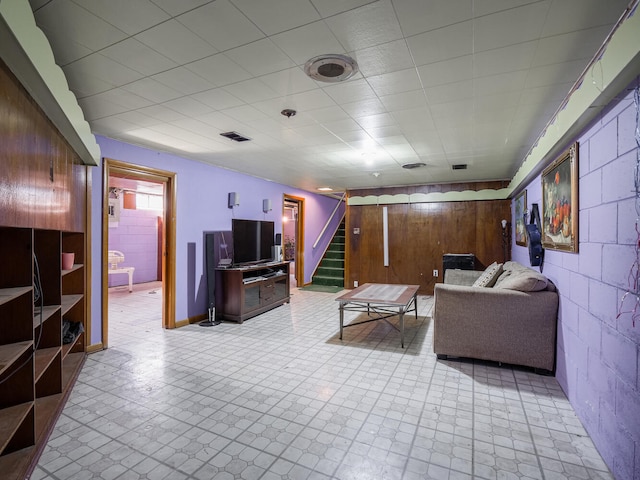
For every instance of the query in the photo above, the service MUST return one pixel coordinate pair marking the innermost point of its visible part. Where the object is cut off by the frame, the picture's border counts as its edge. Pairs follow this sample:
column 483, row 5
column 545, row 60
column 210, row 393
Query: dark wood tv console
column 244, row 292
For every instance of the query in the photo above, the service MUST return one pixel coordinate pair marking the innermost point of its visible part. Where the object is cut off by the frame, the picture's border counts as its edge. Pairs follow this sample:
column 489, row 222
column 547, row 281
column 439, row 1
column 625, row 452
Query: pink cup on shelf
column 67, row 261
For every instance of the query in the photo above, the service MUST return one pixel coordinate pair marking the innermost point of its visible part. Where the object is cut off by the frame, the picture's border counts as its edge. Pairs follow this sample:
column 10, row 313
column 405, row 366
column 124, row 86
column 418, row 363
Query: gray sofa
column 511, row 319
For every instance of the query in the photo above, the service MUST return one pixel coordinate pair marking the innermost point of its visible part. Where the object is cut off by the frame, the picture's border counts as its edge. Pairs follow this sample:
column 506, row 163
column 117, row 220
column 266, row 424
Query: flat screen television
column 253, row 241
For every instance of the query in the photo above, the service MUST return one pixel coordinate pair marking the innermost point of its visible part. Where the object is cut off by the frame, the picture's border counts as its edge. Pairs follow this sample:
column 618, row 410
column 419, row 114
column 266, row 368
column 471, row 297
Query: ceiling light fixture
column 411, row 166
column 325, row 189
column 331, row 68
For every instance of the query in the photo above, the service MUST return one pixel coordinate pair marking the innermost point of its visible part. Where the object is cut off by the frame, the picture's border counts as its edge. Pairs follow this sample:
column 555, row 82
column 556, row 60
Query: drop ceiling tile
column 376, row 121
column 244, row 113
column 219, row 69
column 137, row 56
column 183, row 80
column 260, row 57
column 309, row 131
column 395, row 82
column 502, row 83
column 449, row 71
column 574, row 45
column 364, row 108
column 442, row 44
column 328, row 114
column 352, row 91
column 221, row 24
column 266, row 125
column 72, row 21
column 130, row 17
column 487, row 7
column 84, row 84
column 311, row 100
column 152, row 90
column 217, row 98
column 328, row 8
column 176, row 8
column 287, row 82
column 222, row 122
column 556, row 73
column 417, row 16
column 385, row 58
column 137, row 118
column 110, row 103
column 506, row 59
column 110, row 125
column 99, row 66
column 175, row 41
column 416, row 119
column 188, row 106
column 571, row 15
column 516, row 25
column 367, row 26
column 250, row 91
column 386, row 135
column 162, row 114
column 449, row 92
column 339, row 126
column 404, row 100
column 65, row 48
column 275, row 16
column 303, row 43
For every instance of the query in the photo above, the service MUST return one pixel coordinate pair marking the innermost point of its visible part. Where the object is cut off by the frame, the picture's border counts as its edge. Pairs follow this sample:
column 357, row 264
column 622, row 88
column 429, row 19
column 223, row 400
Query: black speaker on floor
column 218, row 253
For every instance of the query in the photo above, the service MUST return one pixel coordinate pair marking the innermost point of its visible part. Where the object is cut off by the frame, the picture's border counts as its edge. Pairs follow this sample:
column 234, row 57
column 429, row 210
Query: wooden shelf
column 10, row 420
column 76, row 266
column 11, row 352
column 14, row 465
column 43, row 359
column 9, row 294
column 47, row 412
column 47, row 312
column 71, row 367
column 68, row 301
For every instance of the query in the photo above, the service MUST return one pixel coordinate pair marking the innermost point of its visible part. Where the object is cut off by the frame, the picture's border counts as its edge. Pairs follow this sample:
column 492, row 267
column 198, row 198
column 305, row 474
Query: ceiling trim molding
column 611, row 70
column 433, row 197
column 28, row 54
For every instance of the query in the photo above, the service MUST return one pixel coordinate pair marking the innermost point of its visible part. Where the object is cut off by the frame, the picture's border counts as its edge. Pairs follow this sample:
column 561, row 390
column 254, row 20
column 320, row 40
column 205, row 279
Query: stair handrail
column 326, row 225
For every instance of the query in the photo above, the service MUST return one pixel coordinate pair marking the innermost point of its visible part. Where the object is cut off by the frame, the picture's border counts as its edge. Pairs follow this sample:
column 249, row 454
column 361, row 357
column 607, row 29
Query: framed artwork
column 560, row 202
column 520, row 208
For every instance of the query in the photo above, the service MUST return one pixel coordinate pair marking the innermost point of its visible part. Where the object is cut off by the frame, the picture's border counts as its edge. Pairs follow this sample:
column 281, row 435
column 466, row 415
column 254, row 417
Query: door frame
column 117, row 168
column 299, row 258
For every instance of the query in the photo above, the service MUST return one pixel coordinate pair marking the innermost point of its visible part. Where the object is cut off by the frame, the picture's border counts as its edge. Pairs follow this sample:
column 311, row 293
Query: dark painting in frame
column 560, row 202
column 520, row 206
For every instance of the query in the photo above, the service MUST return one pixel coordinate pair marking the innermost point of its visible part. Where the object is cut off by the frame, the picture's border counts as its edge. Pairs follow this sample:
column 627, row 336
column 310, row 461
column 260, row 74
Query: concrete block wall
column 598, row 364
column 137, row 237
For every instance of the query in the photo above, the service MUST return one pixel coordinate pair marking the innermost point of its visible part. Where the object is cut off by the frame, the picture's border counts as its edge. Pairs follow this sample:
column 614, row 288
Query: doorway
column 127, row 181
column 293, row 235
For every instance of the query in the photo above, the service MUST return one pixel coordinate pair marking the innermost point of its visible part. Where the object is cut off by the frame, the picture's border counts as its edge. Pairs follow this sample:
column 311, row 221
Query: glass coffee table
column 380, row 301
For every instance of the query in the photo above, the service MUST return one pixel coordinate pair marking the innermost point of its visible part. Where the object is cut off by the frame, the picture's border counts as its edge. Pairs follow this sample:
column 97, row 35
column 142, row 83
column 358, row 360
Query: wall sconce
column 234, row 199
column 266, row 205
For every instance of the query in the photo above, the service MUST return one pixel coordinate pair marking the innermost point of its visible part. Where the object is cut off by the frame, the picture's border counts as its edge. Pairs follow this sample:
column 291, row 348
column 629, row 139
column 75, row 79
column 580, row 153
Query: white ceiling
column 442, row 82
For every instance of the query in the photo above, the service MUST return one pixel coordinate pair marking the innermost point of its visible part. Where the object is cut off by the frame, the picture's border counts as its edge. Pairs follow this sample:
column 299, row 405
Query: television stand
column 244, row 292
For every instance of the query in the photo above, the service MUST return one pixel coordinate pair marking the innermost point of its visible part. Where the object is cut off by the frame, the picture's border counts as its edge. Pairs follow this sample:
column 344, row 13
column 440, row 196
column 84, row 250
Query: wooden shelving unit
column 37, row 369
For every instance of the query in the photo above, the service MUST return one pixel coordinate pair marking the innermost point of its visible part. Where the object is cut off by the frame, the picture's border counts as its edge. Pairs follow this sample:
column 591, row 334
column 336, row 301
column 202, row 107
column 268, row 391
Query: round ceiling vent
column 331, row 68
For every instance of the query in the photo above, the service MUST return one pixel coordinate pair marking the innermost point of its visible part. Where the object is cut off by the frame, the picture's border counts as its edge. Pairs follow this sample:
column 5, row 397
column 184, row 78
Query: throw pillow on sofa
column 489, row 276
column 522, row 279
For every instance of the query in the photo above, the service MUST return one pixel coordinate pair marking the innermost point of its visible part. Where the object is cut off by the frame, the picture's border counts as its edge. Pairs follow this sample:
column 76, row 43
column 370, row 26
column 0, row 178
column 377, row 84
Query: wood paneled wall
column 42, row 181
column 420, row 234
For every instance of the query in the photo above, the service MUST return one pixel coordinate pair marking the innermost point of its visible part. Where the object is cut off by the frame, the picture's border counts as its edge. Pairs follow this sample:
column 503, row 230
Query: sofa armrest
column 455, row 276
column 496, row 324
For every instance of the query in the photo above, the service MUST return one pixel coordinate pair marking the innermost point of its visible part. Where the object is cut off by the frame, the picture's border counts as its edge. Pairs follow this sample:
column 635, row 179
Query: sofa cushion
column 489, row 276
column 522, row 279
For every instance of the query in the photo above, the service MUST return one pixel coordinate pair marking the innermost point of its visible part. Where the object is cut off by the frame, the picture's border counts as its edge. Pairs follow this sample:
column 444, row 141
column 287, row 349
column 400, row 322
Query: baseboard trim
column 191, row 320
column 96, row 347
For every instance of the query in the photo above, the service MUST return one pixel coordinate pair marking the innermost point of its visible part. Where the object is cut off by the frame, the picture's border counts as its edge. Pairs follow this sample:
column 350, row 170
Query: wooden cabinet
column 245, row 292
column 37, row 367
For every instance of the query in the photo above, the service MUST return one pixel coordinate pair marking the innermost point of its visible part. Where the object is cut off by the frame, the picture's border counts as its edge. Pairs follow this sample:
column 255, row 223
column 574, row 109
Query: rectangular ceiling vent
column 459, row 166
column 235, row 136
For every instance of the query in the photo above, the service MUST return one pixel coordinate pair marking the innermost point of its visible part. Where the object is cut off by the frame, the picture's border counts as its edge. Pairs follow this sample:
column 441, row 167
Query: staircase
column 331, row 269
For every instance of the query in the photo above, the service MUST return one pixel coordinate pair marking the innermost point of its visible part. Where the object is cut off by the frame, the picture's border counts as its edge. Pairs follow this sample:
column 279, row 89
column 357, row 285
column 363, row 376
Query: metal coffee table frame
column 357, row 300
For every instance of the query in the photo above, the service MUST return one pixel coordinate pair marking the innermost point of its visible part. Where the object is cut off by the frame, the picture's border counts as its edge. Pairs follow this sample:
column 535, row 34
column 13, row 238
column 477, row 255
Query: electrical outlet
column 355, row 283
column 435, row 273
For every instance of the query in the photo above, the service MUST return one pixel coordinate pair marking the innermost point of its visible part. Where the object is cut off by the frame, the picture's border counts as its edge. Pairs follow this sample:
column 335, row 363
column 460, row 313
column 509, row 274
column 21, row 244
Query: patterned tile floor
column 281, row 397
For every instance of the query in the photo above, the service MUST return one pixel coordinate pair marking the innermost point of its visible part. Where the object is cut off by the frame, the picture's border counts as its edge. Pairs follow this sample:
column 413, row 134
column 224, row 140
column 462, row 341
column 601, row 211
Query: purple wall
column 598, row 359
column 202, row 199
column 136, row 236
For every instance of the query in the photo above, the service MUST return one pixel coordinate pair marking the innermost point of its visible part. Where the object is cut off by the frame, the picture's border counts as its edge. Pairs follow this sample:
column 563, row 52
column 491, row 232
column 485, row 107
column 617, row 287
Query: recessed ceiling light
column 325, row 189
column 331, row 68
column 411, row 166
